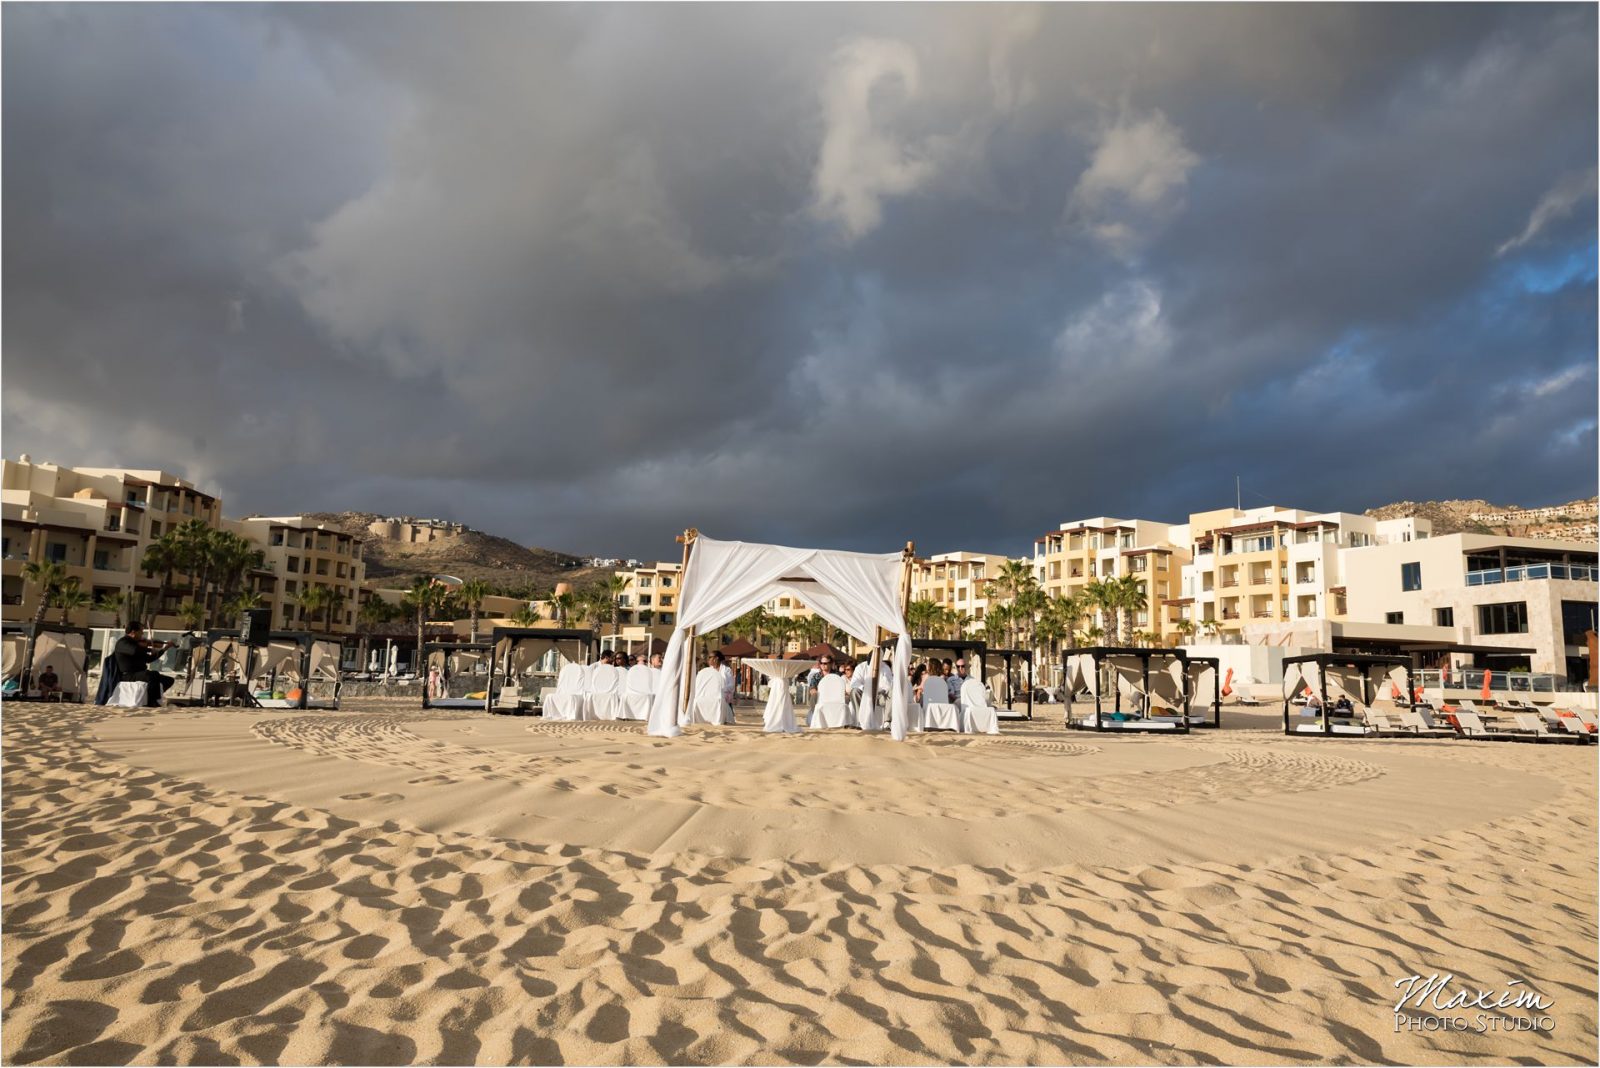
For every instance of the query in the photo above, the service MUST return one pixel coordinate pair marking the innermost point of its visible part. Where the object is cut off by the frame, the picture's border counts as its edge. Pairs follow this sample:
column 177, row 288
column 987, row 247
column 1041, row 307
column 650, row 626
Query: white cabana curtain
column 858, row 592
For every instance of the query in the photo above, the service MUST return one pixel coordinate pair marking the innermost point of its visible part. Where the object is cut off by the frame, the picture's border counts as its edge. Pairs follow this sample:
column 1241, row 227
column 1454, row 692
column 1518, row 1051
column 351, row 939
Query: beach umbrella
column 739, row 647
column 820, row 650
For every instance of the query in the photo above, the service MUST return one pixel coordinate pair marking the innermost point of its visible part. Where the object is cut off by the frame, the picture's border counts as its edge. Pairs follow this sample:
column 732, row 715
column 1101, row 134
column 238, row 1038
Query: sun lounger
column 1533, row 724
column 1472, row 726
column 1412, row 720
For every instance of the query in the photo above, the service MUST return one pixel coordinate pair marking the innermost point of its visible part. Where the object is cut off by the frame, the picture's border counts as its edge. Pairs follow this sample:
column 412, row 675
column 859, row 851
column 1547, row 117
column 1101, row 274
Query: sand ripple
column 155, row 920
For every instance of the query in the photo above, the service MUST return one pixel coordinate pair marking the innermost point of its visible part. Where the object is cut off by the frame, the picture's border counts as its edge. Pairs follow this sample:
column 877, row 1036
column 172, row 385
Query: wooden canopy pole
column 908, row 556
column 686, row 539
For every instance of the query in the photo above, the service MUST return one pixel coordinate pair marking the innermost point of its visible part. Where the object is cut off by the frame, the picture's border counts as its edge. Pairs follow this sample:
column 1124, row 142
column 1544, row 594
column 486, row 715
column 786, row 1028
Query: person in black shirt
column 134, row 655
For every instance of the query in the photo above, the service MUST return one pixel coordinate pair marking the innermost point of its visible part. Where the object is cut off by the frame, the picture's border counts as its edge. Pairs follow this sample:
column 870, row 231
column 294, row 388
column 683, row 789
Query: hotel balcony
column 1530, row 572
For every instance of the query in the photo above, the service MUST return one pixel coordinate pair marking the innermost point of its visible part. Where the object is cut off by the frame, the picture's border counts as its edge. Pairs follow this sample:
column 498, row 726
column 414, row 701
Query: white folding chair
column 569, row 703
column 638, row 693
column 605, row 692
column 129, row 695
column 979, row 716
column 938, row 713
column 832, row 708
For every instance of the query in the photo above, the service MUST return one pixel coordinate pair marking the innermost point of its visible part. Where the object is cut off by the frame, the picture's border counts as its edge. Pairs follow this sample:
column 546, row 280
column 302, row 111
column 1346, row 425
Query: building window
column 1509, row 617
column 56, row 551
column 1410, row 577
column 294, row 565
column 1394, row 617
column 1444, row 617
column 1577, row 620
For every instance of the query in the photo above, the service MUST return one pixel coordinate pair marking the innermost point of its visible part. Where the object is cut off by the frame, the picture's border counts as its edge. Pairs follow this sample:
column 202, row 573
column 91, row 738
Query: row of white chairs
column 966, row 710
column 602, row 692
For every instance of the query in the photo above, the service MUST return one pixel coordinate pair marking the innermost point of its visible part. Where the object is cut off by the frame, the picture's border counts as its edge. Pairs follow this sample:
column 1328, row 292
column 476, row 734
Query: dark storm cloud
column 842, row 275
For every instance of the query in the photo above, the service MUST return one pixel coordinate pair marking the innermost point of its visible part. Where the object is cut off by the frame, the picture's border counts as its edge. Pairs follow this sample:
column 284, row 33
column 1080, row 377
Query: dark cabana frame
column 448, row 648
column 1203, row 662
column 26, row 681
column 498, row 671
column 1010, row 656
column 1365, row 661
column 1146, row 722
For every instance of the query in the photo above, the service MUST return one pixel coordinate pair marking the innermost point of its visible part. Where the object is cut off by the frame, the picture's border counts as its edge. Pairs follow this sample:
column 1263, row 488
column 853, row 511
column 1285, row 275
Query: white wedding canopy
column 857, row 592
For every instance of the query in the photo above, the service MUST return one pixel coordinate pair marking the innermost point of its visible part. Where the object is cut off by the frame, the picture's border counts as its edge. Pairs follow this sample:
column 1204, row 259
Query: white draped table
column 779, row 716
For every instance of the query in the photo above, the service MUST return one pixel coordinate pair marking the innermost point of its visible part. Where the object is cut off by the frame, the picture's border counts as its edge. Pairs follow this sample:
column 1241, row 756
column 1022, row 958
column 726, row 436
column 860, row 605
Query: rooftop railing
column 1528, row 572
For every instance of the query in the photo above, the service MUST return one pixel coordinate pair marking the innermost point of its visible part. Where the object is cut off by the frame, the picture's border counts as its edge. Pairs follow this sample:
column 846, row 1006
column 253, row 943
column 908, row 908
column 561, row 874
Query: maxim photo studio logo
column 1438, row 1003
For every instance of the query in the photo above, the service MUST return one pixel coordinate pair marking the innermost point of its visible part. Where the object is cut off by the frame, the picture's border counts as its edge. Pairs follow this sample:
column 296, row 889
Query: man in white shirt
column 720, row 662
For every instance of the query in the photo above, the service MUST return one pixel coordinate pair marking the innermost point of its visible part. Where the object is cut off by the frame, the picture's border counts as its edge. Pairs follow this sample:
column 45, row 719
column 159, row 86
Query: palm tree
column 113, row 602
column 240, row 603
column 424, row 595
column 311, row 600
column 70, row 597
column 614, row 586
column 921, row 615
column 1185, row 629
column 1099, row 597
column 162, row 556
column 333, row 605
column 1130, row 598
column 49, row 576
column 526, row 616
column 231, row 557
column 472, row 593
column 373, row 613
column 194, row 541
column 192, row 614
column 564, row 605
column 780, row 629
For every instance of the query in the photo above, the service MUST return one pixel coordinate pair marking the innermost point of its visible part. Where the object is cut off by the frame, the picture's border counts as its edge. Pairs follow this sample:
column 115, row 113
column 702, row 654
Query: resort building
column 959, row 582
column 1507, row 602
column 412, row 531
column 301, row 553
column 96, row 522
column 1087, row 550
column 651, row 598
column 1272, row 575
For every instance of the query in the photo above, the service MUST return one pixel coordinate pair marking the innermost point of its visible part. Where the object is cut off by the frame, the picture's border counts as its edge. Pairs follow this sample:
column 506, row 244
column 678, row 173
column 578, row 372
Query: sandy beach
column 381, row 885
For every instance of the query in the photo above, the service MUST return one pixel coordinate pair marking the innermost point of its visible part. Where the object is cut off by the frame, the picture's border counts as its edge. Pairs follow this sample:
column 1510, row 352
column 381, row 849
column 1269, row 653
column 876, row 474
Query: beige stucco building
column 1533, row 597
column 958, row 581
column 1086, row 550
column 1273, row 575
column 98, row 522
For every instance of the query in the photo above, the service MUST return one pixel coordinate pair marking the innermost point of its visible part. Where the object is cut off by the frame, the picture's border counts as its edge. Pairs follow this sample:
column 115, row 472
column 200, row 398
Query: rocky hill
column 469, row 554
column 1575, row 519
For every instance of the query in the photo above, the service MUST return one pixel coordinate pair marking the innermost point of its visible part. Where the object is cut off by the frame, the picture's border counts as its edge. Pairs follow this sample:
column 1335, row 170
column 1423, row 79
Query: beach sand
column 381, row 885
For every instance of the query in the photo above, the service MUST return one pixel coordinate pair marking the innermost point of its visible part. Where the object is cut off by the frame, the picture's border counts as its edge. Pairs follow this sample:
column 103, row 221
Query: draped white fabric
column 858, row 592
column 977, row 715
column 1291, row 680
column 779, row 715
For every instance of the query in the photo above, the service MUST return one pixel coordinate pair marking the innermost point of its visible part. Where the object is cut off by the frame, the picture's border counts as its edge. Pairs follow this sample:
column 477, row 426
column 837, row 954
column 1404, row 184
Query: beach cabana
column 1133, row 689
column 861, row 593
column 1204, row 706
column 1362, row 678
column 1016, row 665
column 518, row 654
column 303, row 667
column 57, row 646
column 462, row 666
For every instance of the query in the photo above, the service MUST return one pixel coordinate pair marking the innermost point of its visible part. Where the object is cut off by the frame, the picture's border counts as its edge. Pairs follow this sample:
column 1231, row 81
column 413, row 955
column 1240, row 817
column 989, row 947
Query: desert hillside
column 1575, row 519
column 470, row 554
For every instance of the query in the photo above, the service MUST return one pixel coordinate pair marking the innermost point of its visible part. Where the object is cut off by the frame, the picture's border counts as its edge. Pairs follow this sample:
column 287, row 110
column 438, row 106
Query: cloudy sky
column 837, row 275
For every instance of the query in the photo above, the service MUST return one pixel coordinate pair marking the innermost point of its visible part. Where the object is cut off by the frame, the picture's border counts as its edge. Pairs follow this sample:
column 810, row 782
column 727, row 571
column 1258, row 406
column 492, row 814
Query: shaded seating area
column 34, row 652
column 455, row 671
column 1128, row 689
column 522, row 677
column 293, row 665
column 1334, row 694
column 1010, row 679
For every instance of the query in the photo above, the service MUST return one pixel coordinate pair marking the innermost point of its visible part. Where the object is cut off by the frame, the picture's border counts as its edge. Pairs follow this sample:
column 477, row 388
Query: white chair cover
column 980, row 717
column 938, row 714
column 605, row 692
column 832, row 709
column 569, row 703
column 128, row 695
column 914, row 724
column 706, row 707
column 641, row 686
column 869, row 707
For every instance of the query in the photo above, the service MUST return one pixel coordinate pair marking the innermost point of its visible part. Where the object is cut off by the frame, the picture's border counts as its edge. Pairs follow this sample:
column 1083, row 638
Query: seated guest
column 1343, row 706
column 1312, row 707
column 49, row 685
column 655, row 660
